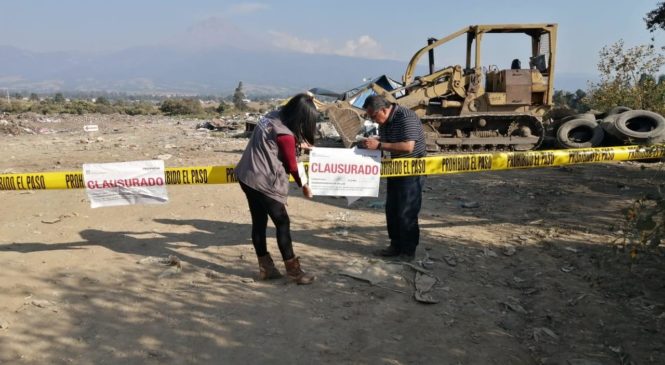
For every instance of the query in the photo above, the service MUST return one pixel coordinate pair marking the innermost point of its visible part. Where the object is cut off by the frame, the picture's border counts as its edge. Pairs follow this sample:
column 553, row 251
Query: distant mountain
column 215, row 70
column 171, row 70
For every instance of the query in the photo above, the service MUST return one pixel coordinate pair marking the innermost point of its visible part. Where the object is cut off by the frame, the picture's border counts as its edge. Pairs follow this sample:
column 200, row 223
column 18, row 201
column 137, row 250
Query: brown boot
column 267, row 269
column 293, row 272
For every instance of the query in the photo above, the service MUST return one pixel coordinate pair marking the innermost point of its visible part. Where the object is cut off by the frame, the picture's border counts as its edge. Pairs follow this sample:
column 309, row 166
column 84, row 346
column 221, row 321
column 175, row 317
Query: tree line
column 110, row 103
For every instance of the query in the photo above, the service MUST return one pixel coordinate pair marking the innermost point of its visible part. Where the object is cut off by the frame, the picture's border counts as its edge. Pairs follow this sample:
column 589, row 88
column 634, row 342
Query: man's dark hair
column 376, row 102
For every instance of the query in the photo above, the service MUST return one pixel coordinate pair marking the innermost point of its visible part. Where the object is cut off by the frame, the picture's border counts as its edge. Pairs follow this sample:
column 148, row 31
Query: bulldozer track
column 454, row 134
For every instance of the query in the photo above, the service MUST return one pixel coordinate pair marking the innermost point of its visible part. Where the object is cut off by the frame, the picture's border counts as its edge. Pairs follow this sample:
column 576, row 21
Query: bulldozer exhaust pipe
column 431, row 55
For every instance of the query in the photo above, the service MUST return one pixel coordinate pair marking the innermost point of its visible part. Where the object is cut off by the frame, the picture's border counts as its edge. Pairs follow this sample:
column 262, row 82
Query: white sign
column 302, row 172
column 91, row 127
column 125, row 183
column 344, row 172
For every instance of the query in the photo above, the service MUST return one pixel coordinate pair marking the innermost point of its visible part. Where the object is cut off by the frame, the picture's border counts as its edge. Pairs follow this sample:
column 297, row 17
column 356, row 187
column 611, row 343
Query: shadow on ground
column 547, row 290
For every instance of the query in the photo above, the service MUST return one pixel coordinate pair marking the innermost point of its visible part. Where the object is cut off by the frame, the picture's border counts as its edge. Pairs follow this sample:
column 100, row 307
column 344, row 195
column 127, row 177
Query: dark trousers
column 260, row 207
column 403, row 201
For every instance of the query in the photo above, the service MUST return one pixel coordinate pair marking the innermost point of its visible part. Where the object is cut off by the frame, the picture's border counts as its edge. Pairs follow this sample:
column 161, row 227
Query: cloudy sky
column 387, row 29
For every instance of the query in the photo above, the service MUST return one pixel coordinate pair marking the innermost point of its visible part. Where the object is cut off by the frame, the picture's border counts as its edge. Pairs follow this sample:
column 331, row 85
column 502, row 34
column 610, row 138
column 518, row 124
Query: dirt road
column 526, row 272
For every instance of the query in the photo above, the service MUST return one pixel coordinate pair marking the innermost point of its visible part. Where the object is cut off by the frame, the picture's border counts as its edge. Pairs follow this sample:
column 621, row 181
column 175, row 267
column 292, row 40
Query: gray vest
column 259, row 166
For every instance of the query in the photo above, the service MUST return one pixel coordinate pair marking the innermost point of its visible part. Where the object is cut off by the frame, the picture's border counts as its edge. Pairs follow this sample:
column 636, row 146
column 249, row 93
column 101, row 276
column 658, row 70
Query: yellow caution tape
column 450, row 164
column 435, row 165
column 74, row 180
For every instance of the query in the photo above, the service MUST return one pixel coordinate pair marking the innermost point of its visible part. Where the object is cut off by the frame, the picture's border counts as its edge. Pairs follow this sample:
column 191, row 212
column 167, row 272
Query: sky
column 387, row 29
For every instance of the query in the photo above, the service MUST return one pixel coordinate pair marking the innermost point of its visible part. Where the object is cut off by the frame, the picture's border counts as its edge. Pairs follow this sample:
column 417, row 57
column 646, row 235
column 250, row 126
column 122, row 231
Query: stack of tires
column 620, row 125
column 623, row 125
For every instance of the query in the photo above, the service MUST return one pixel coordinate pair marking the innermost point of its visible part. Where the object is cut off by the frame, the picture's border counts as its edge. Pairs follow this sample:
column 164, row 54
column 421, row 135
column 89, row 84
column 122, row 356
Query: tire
column 562, row 121
column 612, row 137
column 608, row 125
column 640, row 125
column 617, row 110
column 586, row 116
column 580, row 133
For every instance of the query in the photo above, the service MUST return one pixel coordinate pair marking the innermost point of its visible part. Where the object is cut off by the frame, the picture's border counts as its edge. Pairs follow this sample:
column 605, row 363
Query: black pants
column 260, row 207
column 403, row 201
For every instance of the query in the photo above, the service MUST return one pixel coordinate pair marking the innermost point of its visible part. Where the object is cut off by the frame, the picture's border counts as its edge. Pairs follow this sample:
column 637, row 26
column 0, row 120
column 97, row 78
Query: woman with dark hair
column 263, row 173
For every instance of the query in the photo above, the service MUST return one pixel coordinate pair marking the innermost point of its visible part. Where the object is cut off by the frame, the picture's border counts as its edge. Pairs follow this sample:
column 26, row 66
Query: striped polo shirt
column 404, row 125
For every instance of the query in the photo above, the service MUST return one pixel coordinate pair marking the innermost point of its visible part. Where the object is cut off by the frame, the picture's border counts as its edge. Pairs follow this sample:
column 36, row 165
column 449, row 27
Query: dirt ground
column 526, row 271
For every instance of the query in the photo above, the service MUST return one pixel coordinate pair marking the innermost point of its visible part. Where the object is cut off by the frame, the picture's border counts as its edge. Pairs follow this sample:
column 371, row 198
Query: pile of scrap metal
column 619, row 125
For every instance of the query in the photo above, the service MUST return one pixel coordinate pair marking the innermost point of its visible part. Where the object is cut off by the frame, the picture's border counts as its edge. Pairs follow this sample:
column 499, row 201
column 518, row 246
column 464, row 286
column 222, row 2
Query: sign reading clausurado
column 344, row 172
column 125, row 183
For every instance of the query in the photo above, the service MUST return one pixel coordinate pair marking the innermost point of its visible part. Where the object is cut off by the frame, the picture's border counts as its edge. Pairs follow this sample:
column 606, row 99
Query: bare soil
column 528, row 276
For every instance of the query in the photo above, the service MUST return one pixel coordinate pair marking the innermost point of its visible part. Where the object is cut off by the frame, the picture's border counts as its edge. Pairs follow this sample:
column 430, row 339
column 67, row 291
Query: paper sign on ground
column 125, row 183
column 344, row 172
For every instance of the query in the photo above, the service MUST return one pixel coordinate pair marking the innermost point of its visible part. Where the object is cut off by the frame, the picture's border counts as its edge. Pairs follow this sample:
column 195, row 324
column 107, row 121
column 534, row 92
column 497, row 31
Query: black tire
column 587, row 116
column 598, row 114
column 612, row 137
column 617, row 110
column 608, row 126
column 580, row 133
column 640, row 125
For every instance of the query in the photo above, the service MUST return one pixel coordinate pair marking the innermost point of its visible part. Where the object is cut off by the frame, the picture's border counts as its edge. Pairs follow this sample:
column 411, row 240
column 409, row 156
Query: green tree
column 181, row 107
column 239, row 98
column 59, row 98
column 34, row 97
column 575, row 101
column 635, row 80
column 102, row 101
column 627, row 77
column 656, row 18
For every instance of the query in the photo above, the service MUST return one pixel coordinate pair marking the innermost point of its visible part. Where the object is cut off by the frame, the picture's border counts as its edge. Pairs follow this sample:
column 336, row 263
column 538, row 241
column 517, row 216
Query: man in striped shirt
column 401, row 133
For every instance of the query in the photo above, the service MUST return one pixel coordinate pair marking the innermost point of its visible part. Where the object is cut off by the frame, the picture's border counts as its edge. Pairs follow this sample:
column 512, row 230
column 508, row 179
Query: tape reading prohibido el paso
column 434, row 165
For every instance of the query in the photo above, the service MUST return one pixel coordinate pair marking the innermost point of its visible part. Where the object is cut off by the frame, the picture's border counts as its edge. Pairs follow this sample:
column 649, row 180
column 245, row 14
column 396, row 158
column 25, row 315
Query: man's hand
column 370, row 143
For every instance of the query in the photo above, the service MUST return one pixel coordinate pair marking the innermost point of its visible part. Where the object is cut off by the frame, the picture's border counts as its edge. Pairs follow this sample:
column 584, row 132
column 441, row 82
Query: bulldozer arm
column 348, row 117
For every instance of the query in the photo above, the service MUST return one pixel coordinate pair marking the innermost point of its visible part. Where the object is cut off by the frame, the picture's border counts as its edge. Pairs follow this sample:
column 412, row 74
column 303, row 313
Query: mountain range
column 213, row 70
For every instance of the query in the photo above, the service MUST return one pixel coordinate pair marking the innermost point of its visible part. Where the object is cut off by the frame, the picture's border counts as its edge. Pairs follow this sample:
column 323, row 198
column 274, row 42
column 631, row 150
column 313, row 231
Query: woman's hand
column 307, row 192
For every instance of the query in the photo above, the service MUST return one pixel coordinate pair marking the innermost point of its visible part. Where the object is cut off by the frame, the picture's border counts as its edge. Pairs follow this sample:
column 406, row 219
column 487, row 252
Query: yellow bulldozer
column 469, row 107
